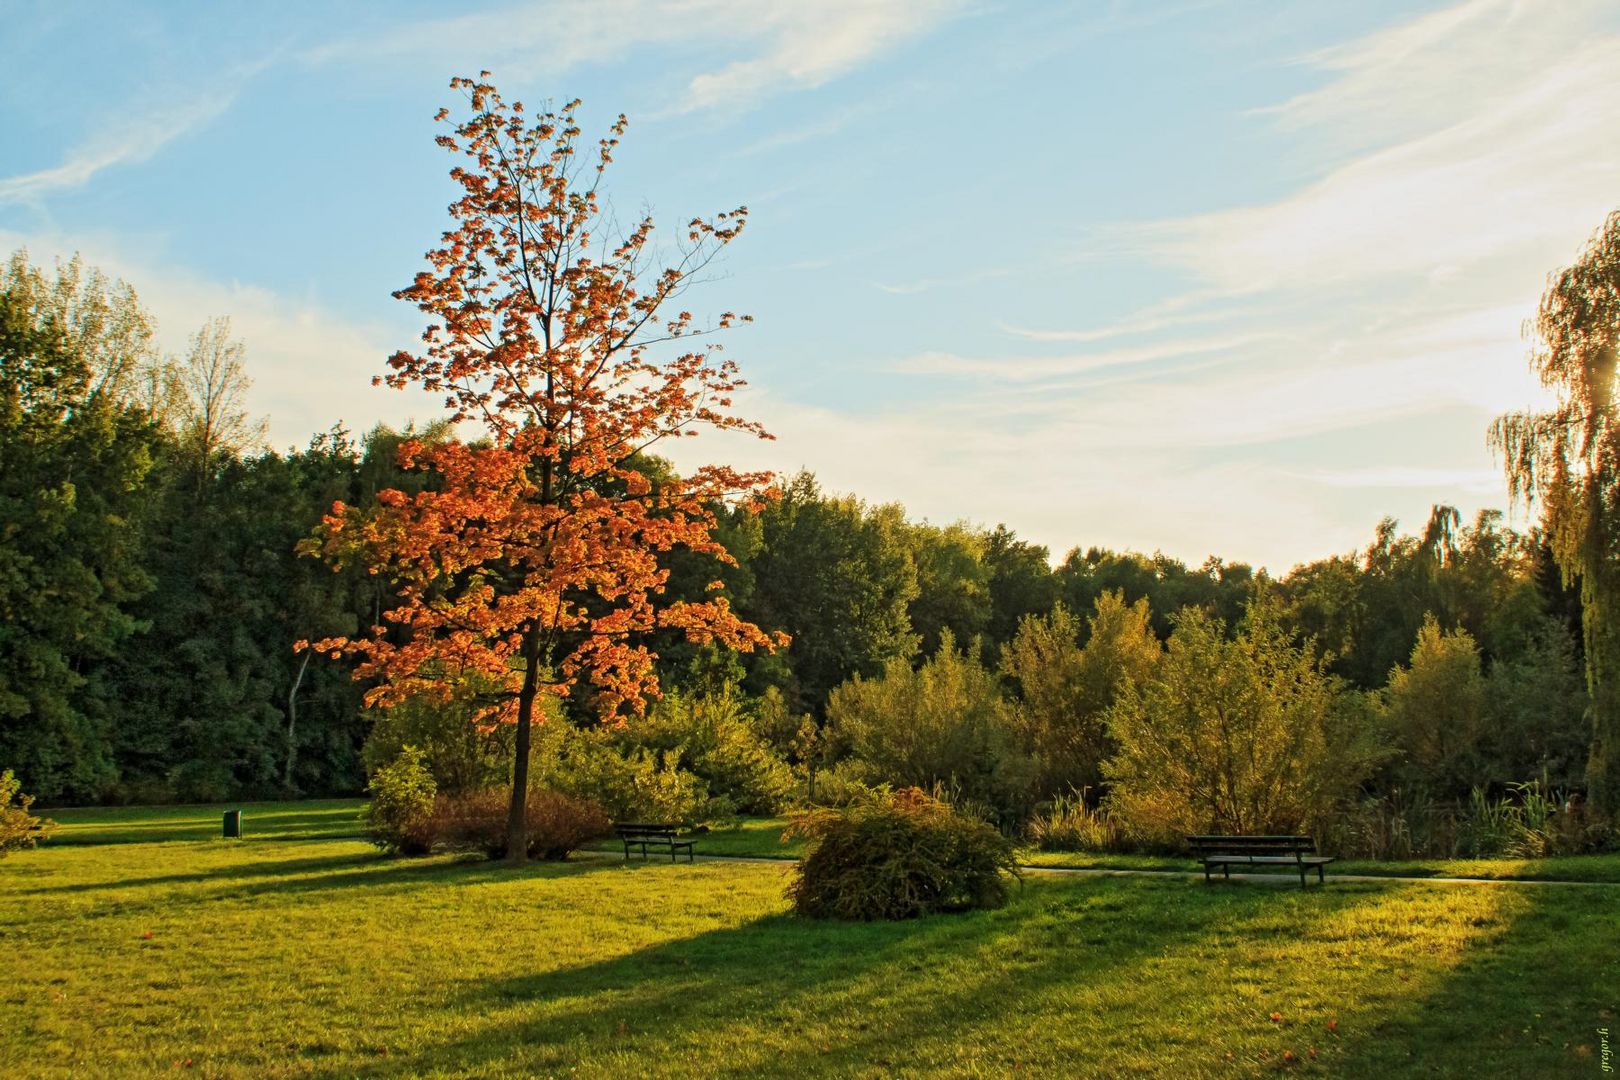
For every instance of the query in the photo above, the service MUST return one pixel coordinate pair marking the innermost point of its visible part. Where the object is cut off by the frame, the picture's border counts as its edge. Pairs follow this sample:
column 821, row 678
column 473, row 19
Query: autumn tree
column 1569, row 460
column 532, row 558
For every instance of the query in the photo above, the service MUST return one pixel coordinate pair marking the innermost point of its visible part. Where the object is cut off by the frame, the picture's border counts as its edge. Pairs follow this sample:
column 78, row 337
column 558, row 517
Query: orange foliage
column 532, row 560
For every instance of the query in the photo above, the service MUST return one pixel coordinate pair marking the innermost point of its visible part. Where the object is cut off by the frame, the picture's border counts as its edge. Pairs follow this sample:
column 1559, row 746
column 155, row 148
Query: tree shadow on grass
column 373, row 873
column 234, row 872
column 786, row 996
column 322, row 823
column 1526, row 999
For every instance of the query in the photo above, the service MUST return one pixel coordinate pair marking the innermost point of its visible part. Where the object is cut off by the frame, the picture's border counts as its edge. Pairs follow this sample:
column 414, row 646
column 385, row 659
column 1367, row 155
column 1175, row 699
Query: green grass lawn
column 140, row 943
column 762, row 837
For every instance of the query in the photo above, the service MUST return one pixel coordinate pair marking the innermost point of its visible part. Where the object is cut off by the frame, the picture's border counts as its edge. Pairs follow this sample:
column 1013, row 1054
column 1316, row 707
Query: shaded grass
column 1604, row 867
column 326, row 819
column 322, row 958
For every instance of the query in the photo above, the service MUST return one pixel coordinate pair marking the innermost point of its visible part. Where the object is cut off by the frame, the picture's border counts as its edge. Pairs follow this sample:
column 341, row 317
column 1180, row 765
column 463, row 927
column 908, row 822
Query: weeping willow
column 1568, row 460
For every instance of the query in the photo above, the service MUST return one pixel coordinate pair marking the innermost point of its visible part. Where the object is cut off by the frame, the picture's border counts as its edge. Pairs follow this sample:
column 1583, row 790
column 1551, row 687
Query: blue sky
column 1233, row 278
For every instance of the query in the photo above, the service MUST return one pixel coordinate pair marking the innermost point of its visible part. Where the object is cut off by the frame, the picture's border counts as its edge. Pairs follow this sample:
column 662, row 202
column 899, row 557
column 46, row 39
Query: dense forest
column 152, row 592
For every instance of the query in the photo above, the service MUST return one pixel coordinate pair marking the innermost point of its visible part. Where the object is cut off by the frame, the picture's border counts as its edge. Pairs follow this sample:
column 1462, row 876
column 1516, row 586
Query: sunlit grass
column 321, row 958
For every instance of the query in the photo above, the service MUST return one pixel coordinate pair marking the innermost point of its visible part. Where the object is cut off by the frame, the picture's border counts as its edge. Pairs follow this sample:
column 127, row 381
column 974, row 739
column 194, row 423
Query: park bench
column 1229, row 851
column 635, row 833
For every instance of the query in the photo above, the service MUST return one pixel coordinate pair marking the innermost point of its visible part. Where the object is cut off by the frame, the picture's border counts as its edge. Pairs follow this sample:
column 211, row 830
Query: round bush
column 898, row 856
column 400, row 817
column 558, row 824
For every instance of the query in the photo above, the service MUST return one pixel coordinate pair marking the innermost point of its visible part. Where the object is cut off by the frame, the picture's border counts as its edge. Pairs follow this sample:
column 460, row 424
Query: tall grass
column 1069, row 823
column 1525, row 822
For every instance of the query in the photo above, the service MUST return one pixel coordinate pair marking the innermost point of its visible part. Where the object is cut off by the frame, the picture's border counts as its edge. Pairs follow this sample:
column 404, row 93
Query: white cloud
column 1061, row 485
column 1433, row 71
column 1521, row 172
column 1024, row 368
column 1361, row 332
column 1480, row 481
column 1134, row 326
column 131, row 141
column 765, row 48
column 811, row 43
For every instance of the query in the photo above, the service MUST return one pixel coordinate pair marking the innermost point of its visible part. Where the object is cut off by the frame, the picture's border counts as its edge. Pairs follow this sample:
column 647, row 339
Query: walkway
column 1264, row 879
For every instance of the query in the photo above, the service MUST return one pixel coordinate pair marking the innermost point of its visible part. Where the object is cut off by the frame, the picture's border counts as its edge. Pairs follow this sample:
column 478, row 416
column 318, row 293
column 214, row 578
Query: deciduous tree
column 1569, row 459
column 1065, row 691
column 1244, row 735
column 74, row 460
column 533, row 559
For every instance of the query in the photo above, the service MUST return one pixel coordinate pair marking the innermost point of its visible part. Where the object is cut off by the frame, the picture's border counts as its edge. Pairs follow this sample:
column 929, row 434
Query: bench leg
column 1226, row 868
column 1321, row 875
column 672, row 852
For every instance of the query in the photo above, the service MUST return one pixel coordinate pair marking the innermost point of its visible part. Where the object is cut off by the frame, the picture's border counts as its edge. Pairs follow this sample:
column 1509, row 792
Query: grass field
column 139, row 943
column 763, row 837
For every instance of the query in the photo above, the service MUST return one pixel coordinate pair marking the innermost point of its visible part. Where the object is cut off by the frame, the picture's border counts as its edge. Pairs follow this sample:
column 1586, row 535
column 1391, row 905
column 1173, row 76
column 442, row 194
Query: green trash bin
column 233, row 823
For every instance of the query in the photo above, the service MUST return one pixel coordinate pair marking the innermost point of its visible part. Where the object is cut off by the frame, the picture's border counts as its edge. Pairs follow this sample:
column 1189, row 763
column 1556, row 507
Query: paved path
column 1264, row 879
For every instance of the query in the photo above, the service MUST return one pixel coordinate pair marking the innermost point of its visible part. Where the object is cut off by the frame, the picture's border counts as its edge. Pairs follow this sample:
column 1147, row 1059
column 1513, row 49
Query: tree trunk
column 517, row 821
column 292, row 723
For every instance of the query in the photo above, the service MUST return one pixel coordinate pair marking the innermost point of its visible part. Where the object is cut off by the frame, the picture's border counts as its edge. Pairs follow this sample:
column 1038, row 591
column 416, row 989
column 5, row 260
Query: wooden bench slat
column 1273, row 850
column 643, row 833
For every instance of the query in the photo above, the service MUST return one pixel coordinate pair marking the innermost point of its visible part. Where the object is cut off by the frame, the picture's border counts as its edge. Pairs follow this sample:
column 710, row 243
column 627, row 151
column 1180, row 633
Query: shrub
column 714, row 740
column 1523, row 824
column 1399, row 825
column 400, row 817
column 632, row 784
column 897, row 857
column 845, row 784
column 1242, row 735
column 1065, row 691
column 19, row 829
column 944, row 722
column 559, row 824
column 462, row 753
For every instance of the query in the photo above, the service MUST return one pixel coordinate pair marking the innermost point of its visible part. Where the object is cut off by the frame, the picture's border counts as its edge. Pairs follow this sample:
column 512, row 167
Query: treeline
column 151, row 596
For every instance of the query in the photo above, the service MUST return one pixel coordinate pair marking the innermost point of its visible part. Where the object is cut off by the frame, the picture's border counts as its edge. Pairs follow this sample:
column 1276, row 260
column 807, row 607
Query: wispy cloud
column 766, row 48
column 928, row 284
column 1441, row 68
column 1025, row 368
column 812, row 43
column 1517, row 107
column 1134, row 326
column 132, row 140
column 1343, row 346
column 1481, row 481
